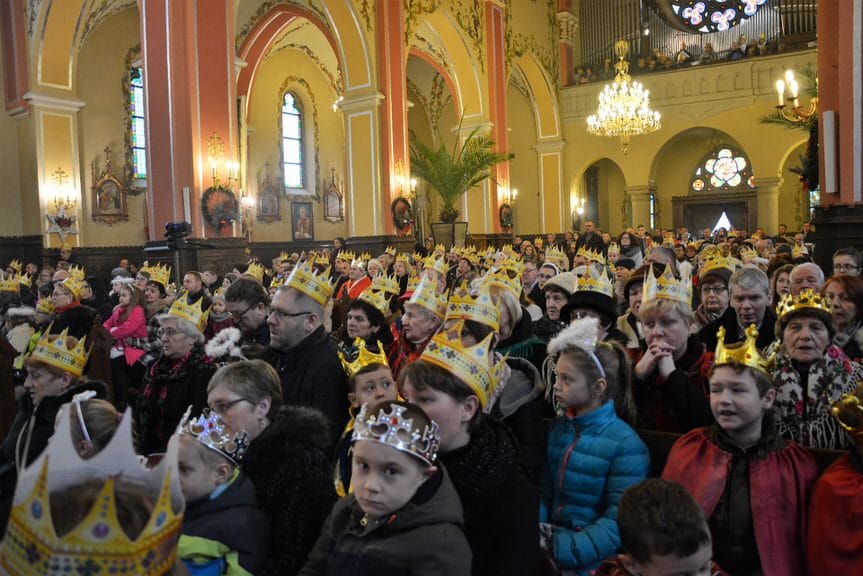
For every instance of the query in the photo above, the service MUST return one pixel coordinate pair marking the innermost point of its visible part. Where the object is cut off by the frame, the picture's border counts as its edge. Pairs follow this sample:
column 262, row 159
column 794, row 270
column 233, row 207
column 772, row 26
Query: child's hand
column 546, row 537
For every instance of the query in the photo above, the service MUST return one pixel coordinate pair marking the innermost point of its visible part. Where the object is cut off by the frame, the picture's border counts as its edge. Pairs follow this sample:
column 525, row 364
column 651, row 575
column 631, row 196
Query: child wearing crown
column 753, row 485
column 404, row 516
column 224, row 532
column 593, row 455
column 370, row 381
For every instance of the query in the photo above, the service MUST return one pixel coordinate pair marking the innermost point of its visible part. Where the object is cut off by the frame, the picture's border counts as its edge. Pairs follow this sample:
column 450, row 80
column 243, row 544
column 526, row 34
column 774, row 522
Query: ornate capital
column 567, row 25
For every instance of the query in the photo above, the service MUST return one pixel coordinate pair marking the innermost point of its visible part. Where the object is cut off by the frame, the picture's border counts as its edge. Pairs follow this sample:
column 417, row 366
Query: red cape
column 836, row 521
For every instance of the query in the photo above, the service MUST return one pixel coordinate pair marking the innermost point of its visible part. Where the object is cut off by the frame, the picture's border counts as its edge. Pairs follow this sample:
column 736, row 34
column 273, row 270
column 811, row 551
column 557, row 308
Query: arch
column 56, row 42
column 703, row 133
column 608, row 200
column 545, row 105
column 433, row 62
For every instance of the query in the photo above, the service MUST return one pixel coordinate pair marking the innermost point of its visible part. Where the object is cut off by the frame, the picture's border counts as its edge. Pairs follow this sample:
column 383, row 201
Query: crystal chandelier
column 624, row 106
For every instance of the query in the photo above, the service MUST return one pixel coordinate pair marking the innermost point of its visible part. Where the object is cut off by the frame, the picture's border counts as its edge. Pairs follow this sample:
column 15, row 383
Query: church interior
column 273, row 125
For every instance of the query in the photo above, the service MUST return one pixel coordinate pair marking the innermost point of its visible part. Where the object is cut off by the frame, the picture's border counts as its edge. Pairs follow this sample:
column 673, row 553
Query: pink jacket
column 135, row 326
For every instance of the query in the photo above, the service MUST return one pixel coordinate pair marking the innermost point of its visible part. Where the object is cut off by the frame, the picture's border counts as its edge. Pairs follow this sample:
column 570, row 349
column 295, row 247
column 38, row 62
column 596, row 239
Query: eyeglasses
column 243, row 313
column 221, row 408
column 845, row 267
column 282, row 314
column 167, row 332
column 713, row 289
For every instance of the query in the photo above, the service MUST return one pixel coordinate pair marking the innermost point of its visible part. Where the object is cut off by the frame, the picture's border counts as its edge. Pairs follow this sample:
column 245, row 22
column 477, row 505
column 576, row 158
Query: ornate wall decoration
column 470, row 15
column 312, row 6
column 567, row 26
column 435, row 102
column 310, row 98
column 109, row 194
column 32, row 7
column 413, row 10
column 519, row 44
column 427, row 46
column 128, row 176
column 517, row 81
column 101, row 12
column 367, row 11
column 335, row 80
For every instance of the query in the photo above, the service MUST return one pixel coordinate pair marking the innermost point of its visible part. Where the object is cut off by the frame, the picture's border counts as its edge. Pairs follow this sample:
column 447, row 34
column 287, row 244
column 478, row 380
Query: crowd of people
column 448, row 411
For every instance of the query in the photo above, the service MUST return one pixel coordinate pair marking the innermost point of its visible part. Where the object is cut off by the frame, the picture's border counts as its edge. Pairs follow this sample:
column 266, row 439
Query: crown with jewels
column 209, row 430
column 98, row 544
column 45, row 306
column 15, row 265
column 848, row 411
column 595, row 281
column 54, row 350
column 426, row 295
column 591, row 255
column 480, row 308
column 439, row 265
column 746, row 353
column 799, row 251
column 364, row 357
column 507, row 276
column 315, row 285
column 388, row 284
column 404, row 258
column 667, row 286
column 256, row 271
column 379, row 299
column 473, row 365
column 555, row 254
column 160, row 273
column 346, row 256
column 806, row 299
column 440, row 250
column 194, row 313
column 393, row 429
column 9, row 282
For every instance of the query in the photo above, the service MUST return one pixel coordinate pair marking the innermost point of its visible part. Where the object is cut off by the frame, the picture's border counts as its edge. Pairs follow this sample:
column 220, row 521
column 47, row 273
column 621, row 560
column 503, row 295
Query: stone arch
column 605, row 204
column 441, row 69
column 545, row 105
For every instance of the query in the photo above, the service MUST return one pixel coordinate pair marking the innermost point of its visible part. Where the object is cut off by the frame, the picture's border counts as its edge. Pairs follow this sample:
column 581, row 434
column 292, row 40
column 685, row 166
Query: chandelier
column 624, row 105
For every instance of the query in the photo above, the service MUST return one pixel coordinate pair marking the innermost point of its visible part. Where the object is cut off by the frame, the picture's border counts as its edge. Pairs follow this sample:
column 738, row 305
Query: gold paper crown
column 25, row 279
column 507, row 249
column 413, row 283
column 555, row 254
column 806, row 299
column 284, row 256
column 471, row 364
column 390, row 250
column 591, row 255
column 9, row 282
column 378, row 299
column 316, row 285
column 388, row 284
column 15, row 265
column 404, row 258
column 440, row 249
column 614, row 248
column 194, row 313
column 480, row 308
column 256, row 271
column 54, row 350
column 219, row 292
column 346, row 256
column 209, row 430
column 538, row 243
column 716, row 263
column 667, row 286
column 439, row 265
column 393, row 429
column 45, row 305
column 799, row 251
column 98, row 544
column 746, row 353
column 848, row 411
column 426, row 295
column 748, row 252
column 77, row 272
column 160, row 273
column 276, row 281
column 507, row 276
column 599, row 282
column 364, row 358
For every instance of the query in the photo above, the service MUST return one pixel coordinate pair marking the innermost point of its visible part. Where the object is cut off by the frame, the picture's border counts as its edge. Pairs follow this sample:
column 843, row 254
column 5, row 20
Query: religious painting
column 269, row 199
column 109, row 194
column 402, row 216
column 302, row 220
column 334, row 210
column 505, row 215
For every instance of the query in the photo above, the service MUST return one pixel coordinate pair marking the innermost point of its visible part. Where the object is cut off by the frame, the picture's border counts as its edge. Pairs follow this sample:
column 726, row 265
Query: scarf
column 152, row 309
column 803, row 408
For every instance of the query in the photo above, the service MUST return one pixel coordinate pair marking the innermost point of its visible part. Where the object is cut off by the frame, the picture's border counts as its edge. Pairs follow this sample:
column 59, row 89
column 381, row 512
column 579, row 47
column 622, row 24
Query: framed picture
column 302, row 221
column 109, row 194
column 334, row 210
column 505, row 216
column 268, row 205
column 402, row 215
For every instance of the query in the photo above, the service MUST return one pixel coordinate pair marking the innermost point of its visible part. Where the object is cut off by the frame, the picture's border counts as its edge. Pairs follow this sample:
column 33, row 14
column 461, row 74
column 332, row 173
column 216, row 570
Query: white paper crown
column 393, row 429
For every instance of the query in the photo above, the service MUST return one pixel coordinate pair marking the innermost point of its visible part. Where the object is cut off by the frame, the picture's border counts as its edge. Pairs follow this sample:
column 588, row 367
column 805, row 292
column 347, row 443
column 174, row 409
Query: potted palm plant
column 452, row 173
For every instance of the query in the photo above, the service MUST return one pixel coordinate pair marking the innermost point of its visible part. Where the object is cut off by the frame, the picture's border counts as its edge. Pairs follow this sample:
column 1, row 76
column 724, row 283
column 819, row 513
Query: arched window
column 138, row 135
column 292, row 142
column 723, row 169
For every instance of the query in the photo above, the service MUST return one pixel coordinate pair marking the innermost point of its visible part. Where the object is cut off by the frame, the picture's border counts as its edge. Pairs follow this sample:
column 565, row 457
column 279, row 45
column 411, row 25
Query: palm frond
column 775, row 118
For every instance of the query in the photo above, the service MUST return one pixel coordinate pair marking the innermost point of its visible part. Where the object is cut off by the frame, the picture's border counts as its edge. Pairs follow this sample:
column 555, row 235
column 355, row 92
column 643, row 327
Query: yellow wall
column 11, row 221
column 100, row 124
column 524, row 168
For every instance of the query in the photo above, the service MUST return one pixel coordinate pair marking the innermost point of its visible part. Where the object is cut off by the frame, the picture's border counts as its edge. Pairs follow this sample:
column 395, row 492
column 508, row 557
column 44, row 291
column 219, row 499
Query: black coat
column 312, row 375
column 500, row 502
column 289, row 465
column 766, row 334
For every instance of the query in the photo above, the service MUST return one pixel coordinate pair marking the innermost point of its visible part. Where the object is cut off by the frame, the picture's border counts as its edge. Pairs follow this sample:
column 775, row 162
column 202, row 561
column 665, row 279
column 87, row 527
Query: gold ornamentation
column 598, row 282
column 316, row 285
column 364, row 358
column 426, row 296
column 191, row 312
column 54, row 350
column 746, row 353
column 480, row 308
column 807, row 299
column 667, row 286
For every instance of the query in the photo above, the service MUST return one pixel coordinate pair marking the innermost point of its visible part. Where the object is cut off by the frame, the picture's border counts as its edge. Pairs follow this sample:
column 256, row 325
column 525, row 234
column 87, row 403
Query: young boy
column 753, row 485
column 224, row 532
column 369, row 381
column 663, row 532
column 404, row 515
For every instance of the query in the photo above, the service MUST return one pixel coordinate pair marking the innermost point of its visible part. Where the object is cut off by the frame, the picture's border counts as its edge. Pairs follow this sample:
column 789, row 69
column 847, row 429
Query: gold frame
column 108, row 194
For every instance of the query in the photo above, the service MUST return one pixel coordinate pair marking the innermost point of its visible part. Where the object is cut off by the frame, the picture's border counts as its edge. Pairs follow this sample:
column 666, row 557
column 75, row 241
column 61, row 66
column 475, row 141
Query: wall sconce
column 788, row 90
column 64, row 199
column 401, row 180
column 215, row 155
column 579, row 208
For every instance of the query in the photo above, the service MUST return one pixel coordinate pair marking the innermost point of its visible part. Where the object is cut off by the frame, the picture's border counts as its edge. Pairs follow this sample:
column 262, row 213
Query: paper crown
column 598, row 282
column 25, row 279
column 209, row 430
column 613, row 248
column 98, row 544
column 45, row 306
column 413, row 283
column 390, row 250
column 480, row 308
column 507, row 276
column 538, row 243
column 799, row 251
column 667, row 286
column 15, row 265
column 159, row 273
column 74, row 286
column 717, row 264
column 194, row 313
column 439, row 265
column 284, row 256
column 388, row 284
column 404, row 258
column 277, row 281
column 346, row 256
column 9, row 282
column 848, row 411
column 256, row 271
column 77, row 272
column 746, row 353
column 54, row 350
column 363, row 358
column 393, row 429
column 315, row 285
column 747, row 252
column 440, row 250
column 591, row 255
column 379, row 299
column 471, row 364
column 807, row 299
column 427, row 296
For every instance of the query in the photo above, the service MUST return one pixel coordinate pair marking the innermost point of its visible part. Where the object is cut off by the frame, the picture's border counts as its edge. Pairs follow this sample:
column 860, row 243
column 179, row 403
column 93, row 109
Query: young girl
column 219, row 317
column 127, row 321
column 593, row 455
column 92, row 423
column 404, row 514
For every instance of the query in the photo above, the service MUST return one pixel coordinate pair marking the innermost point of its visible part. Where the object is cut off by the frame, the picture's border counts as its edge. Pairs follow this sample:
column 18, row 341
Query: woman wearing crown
column 54, row 376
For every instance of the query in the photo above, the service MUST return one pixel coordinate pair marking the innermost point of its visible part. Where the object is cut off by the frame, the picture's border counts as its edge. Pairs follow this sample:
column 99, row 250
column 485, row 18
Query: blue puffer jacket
column 592, row 459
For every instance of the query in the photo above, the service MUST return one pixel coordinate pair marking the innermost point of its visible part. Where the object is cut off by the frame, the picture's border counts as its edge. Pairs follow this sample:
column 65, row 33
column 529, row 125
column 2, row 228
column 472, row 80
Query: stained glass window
column 715, row 15
column 292, row 142
column 723, row 169
column 139, row 133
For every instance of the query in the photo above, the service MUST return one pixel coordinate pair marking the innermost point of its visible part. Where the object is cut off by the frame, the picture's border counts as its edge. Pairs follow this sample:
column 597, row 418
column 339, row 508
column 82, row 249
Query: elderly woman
column 810, row 373
column 845, row 296
column 287, row 459
column 176, row 379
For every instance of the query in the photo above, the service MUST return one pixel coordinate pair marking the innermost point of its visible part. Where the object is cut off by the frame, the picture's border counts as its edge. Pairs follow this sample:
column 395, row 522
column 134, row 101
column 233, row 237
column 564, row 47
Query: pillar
column 639, row 197
column 768, row 204
column 553, row 215
column 569, row 37
column 479, row 206
column 497, row 94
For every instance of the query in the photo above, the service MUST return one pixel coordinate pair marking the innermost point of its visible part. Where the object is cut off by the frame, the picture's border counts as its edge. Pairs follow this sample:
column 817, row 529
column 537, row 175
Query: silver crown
column 209, row 430
column 392, row 429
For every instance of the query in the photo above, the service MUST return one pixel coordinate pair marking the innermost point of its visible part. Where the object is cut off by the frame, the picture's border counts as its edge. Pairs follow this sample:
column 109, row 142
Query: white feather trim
column 582, row 333
column 21, row 311
column 225, row 343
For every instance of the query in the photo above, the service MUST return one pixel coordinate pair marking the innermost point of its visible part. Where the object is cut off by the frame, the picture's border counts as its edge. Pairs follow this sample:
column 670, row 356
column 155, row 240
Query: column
column 553, row 216
column 395, row 156
column 364, row 191
column 479, row 206
column 568, row 38
column 497, row 85
column 639, row 197
column 768, row 204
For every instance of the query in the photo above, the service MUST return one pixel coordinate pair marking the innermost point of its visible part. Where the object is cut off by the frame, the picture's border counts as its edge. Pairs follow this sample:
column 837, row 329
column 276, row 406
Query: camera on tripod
column 177, row 230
